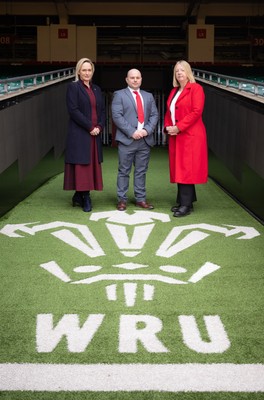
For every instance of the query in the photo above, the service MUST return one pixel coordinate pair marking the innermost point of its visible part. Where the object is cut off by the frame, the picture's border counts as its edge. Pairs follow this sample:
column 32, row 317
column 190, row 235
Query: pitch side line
column 133, row 377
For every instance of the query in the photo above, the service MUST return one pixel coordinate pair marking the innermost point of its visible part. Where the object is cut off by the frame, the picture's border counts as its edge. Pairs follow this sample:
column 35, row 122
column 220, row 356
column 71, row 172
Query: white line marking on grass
column 133, row 377
column 129, row 277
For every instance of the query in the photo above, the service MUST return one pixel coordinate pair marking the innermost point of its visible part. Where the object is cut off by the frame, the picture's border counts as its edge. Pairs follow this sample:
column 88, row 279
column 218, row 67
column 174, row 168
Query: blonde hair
column 188, row 70
column 79, row 66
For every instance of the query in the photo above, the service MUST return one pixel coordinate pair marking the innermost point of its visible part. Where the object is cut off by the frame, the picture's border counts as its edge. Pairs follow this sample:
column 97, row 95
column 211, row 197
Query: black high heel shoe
column 77, row 199
column 176, row 208
column 182, row 211
column 87, row 203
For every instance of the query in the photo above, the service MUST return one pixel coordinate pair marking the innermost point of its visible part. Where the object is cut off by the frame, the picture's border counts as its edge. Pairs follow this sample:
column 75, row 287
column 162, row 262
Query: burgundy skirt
column 84, row 177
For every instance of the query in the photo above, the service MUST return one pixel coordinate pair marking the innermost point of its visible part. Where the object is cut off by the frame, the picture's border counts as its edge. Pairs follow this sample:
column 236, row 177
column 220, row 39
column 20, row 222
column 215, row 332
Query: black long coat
column 78, row 141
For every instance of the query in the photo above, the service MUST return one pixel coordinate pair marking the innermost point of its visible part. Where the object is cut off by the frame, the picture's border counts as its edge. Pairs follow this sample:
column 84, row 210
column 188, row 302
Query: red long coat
column 188, row 153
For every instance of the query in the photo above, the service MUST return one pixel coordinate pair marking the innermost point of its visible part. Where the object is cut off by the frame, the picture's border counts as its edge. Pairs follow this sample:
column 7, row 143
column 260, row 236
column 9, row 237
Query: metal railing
column 20, row 83
column 254, row 87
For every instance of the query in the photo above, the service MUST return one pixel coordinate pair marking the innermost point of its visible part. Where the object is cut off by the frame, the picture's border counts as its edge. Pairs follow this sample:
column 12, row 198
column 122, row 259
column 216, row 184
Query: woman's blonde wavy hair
column 79, row 66
column 188, row 70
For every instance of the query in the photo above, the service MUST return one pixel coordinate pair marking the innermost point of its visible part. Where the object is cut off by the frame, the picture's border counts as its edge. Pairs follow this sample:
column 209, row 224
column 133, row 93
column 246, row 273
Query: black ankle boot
column 87, row 204
column 77, row 199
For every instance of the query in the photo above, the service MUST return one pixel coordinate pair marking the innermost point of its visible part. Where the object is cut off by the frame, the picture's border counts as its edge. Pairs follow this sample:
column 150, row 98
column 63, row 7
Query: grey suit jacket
column 124, row 115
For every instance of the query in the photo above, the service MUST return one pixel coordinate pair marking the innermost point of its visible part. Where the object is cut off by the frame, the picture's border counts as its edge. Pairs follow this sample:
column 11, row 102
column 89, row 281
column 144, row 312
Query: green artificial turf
column 100, row 243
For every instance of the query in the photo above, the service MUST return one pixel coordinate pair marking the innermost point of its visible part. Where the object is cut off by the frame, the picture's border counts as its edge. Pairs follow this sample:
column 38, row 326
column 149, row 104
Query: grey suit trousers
column 136, row 154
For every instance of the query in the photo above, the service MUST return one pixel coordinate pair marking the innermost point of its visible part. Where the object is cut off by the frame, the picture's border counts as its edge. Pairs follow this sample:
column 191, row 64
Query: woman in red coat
column 188, row 154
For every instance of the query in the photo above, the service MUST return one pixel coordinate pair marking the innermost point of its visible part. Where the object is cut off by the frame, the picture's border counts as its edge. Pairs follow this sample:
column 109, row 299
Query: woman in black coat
column 83, row 153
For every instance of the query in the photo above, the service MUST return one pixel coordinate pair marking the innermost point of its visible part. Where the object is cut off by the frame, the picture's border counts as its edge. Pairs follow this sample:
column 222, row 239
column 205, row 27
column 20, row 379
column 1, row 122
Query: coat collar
column 82, row 85
column 186, row 89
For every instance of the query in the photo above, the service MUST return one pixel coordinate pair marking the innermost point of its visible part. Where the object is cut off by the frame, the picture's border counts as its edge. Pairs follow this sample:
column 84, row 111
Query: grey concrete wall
column 235, row 130
column 31, row 126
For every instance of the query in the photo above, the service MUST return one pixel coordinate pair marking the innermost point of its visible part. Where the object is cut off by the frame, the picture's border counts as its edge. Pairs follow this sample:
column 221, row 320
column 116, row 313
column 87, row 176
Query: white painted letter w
column 78, row 338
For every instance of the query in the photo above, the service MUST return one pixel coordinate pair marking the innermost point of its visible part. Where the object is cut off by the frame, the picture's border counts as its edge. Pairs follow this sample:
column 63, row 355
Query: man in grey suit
column 134, row 137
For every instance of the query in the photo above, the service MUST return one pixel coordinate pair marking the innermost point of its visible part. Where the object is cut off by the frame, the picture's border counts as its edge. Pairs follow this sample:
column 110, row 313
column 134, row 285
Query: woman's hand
column 172, row 130
column 95, row 131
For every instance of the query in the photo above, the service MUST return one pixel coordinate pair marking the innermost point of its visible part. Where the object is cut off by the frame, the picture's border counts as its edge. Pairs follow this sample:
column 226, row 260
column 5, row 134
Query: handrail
column 20, row 83
column 253, row 87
